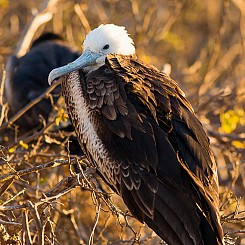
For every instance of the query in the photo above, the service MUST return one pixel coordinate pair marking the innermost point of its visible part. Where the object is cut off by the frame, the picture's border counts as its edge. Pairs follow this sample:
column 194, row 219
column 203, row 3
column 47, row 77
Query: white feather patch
column 86, row 127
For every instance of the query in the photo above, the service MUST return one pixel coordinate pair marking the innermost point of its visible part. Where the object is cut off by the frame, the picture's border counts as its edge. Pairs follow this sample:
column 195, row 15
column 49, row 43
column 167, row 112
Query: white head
column 103, row 40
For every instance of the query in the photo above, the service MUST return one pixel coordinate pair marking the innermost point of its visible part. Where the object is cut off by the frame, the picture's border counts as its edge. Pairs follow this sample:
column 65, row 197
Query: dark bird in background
column 28, row 78
column 137, row 128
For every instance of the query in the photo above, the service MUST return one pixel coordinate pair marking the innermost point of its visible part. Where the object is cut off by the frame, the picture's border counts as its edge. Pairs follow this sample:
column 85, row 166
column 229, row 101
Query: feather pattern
column 148, row 146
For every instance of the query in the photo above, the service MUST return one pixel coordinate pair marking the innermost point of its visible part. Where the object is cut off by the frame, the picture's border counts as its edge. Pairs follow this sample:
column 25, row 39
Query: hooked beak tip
column 52, row 76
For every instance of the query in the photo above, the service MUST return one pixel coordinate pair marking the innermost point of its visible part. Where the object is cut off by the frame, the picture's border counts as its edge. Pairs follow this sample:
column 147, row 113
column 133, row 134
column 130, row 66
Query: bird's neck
column 87, row 70
column 99, row 62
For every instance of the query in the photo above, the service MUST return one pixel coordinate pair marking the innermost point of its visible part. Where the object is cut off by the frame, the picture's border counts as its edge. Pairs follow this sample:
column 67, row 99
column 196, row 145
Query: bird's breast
column 86, row 123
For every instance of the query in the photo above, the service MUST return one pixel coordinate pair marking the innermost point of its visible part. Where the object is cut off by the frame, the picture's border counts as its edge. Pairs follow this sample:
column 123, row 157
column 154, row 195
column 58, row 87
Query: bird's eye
column 106, row 47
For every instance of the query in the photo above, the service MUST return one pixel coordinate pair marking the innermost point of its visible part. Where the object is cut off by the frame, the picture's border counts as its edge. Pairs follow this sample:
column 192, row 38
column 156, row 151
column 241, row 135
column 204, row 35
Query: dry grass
column 42, row 200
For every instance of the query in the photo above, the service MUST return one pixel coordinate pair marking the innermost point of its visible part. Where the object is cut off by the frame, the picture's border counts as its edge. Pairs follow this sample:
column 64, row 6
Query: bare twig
column 212, row 75
column 13, row 197
column 173, row 17
column 237, row 232
column 44, row 15
column 6, row 185
column 75, row 226
column 26, row 228
column 82, row 18
column 34, row 136
column 4, row 106
column 45, row 94
column 225, row 137
column 98, row 206
column 2, row 86
column 40, row 167
column 3, row 222
column 40, row 227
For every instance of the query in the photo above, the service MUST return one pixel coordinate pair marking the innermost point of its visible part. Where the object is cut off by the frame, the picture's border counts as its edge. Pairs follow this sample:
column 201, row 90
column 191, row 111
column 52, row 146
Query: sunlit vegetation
column 42, row 200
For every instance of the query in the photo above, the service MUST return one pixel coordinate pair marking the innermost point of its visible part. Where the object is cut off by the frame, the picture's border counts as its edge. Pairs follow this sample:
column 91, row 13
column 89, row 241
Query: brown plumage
column 159, row 159
column 140, row 132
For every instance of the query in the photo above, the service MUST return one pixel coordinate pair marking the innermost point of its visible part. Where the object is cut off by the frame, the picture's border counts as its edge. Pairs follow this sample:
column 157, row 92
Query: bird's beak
column 86, row 59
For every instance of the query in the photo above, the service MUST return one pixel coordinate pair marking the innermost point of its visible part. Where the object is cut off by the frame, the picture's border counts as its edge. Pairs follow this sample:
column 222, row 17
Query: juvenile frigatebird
column 137, row 128
column 28, row 77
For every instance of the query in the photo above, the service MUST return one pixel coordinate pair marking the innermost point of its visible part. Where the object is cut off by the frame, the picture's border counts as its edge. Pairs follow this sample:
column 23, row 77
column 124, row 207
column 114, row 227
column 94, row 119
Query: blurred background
column 201, row 44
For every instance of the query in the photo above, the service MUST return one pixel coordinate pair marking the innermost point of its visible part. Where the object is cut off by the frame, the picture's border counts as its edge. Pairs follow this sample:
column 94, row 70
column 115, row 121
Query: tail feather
column 161, row 227
column 178, row 212
column 178, row 216
column 208, row 232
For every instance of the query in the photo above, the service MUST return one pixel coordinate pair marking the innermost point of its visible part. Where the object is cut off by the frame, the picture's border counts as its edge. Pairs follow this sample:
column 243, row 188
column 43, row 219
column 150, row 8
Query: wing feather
column 165, row 170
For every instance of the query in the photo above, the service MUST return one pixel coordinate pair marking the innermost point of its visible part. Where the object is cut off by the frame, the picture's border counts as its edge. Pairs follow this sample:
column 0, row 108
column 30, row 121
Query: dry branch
column 26, row 229
column 82, row 18
column 45, row 94
column 212, row 75
column 60, row 189
column 40, row 167
column 44, row 15
column 169, row 24
column 6, row 185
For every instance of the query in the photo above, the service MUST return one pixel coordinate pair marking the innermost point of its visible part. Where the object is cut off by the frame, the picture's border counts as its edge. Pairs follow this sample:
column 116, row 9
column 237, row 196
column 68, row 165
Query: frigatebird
column 28, row 77
column 139, row 131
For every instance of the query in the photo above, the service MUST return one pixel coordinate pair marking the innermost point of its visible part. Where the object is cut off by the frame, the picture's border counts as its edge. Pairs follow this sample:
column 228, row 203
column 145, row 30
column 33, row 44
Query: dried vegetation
column 42, row 201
